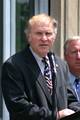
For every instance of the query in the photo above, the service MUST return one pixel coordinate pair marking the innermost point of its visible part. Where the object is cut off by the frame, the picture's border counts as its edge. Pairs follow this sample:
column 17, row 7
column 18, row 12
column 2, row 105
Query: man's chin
column 44, row 53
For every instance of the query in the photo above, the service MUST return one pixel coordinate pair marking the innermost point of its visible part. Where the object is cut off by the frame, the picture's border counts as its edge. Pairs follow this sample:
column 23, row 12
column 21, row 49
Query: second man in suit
column 72, row 57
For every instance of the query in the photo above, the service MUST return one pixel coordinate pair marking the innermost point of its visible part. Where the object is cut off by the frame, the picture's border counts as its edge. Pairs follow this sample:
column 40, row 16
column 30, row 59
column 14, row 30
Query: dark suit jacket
column 72, row 97
column 25, row 91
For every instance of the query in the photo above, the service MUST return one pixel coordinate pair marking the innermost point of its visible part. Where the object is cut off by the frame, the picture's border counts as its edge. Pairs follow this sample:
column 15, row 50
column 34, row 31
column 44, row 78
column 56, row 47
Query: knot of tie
column 77, row 80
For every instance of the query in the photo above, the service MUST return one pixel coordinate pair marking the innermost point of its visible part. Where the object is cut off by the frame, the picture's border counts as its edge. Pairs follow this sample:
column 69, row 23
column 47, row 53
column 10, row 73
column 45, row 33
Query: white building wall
column 8, row 37
column 6, row 43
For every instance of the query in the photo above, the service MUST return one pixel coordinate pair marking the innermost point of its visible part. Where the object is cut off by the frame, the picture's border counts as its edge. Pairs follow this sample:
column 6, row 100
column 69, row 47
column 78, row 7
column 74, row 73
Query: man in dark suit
column 24, row 85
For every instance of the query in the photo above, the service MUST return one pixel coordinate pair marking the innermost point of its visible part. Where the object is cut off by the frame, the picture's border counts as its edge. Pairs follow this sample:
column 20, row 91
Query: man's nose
column 78, row 55
column 44, row 36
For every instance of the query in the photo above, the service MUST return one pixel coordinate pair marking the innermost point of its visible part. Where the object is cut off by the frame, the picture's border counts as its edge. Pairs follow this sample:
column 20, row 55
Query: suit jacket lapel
column 42, row 83
column 37, row 73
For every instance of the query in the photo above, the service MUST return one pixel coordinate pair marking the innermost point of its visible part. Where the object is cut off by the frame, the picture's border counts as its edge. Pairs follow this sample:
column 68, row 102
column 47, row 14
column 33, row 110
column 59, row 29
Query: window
column 24, row 9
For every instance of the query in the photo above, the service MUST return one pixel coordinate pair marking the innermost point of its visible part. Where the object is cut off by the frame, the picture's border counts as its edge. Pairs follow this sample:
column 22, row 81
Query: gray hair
column 39, row 18
column 66, row 44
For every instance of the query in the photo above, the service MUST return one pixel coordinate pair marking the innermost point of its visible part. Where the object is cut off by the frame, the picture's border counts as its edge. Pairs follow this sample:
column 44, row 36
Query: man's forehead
column 43, row 23
column 42, row 27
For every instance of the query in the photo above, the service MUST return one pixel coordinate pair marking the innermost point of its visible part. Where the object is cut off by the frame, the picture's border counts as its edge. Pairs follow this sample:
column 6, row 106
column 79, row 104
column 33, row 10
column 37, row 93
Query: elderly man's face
column 73, row 56
column 42, row 37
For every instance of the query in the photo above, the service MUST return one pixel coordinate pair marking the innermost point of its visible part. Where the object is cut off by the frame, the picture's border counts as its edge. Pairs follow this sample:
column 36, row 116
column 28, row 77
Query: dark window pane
column 24, row 9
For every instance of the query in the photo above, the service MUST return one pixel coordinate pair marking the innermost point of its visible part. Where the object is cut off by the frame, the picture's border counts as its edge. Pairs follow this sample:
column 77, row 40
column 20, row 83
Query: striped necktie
column 77, row 84
column 47, row 74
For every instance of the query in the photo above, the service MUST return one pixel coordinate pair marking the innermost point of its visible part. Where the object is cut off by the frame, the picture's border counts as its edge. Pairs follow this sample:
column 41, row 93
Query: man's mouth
column 44, row 45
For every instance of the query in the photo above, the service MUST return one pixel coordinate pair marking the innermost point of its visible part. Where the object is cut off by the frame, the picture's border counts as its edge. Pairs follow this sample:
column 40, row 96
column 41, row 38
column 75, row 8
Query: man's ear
column 28, row 37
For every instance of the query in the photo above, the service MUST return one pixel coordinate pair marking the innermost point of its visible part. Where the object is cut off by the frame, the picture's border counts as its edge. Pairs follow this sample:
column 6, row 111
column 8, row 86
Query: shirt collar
column 38, row 59
column 72, row 78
